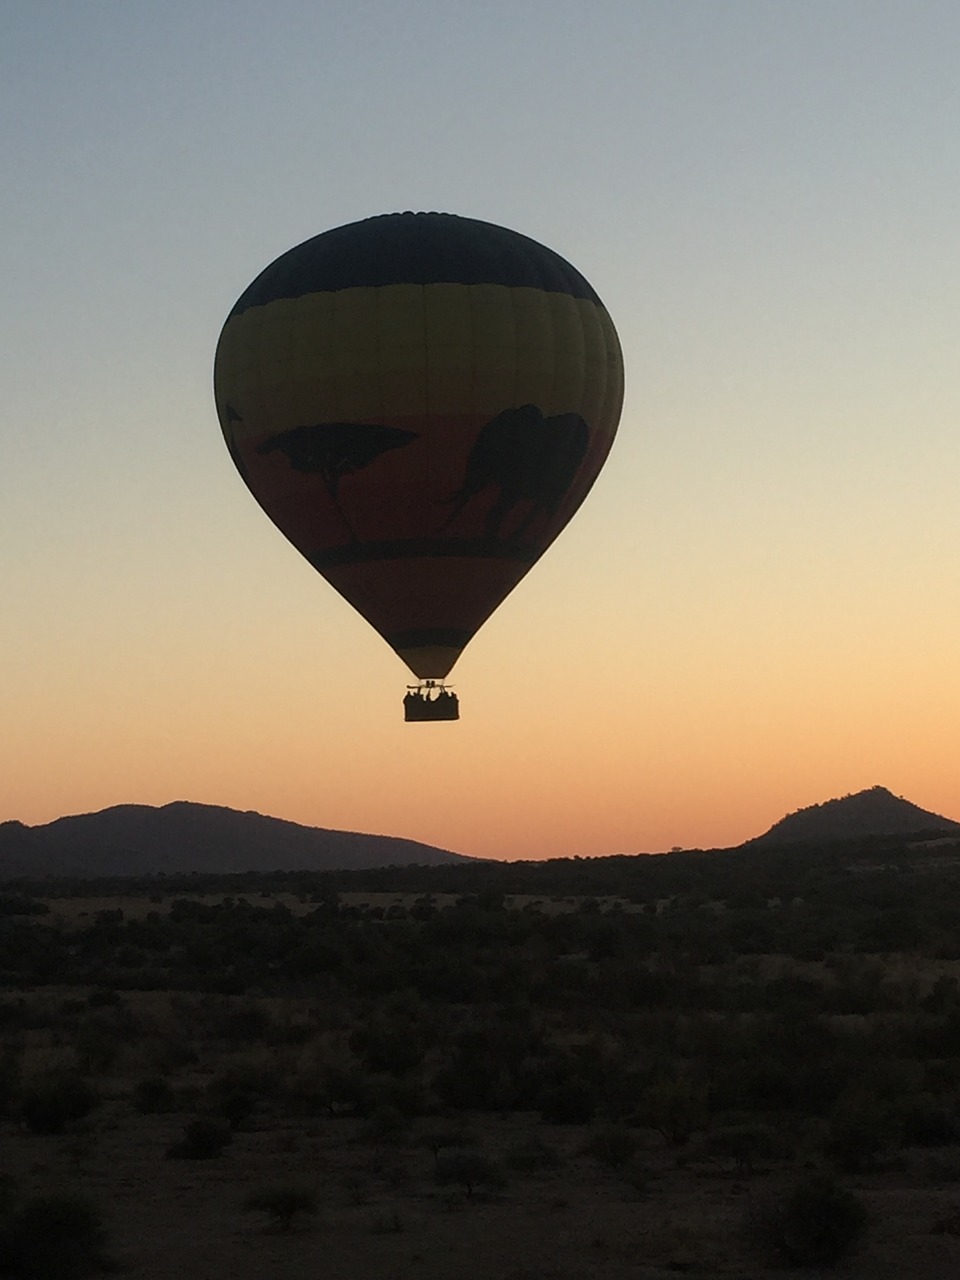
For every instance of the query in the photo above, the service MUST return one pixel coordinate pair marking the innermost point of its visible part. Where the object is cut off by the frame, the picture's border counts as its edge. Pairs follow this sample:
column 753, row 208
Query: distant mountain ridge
column 182, row 837
column 874, row 812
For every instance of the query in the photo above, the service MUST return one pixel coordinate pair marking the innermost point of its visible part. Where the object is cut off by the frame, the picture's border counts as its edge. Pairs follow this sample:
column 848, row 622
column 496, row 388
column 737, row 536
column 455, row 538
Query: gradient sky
column 758, row 606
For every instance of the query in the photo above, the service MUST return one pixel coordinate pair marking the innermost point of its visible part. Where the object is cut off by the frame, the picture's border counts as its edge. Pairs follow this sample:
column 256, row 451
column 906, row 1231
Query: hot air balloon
column 420, row 402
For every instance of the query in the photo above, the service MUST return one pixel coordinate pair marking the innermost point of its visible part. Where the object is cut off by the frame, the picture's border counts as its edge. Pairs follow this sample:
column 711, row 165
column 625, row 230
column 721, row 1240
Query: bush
column 741, row 1143
column 283, row 1204
column 203, row 1139
column 104, row 998
column 54, row 1237
column 948, row 1225
column 817, row 1225
column 676, row 1108
column 533, row 1155
column 243, row 1023
column 613, row 1147
column 385, row 1124
column 436, row 1139
column 52, row 1102
column 154, row 1097
column 859, row 1135
column 8, row 1194
column 924, row 1122
column 636, row 1173
column 235, row 1107
column 471, row 1169
column 9, row 1078
column 570, row 1102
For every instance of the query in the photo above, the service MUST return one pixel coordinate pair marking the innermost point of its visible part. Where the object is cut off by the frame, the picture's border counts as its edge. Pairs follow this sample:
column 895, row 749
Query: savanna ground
column 513, row 1085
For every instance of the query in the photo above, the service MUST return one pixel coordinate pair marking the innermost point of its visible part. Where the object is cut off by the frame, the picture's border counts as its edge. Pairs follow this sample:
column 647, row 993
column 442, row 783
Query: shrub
column 676, row 1108
column 19, row 904
column 924, row 1122
column 236, row 1107
column 948, row 1225
column 103, row 998
column 340, row 1088
column 203, row 1139
column 257, row 1077
column 859, row 1134
column 78, row 1145
column 388, row 1224
column 52, row 1102
column 154, row 1097
column 636, row 1173
column 385, row 1124
column 471, row 1169
column 242, row 1023
column 570, row 1102
column 817, row 1225
column 391, row 1044
column 613, row 1147
column 98, row 1043
column 8, row 1194
column 533, row 1155
column 437, row 1139
column 283, row 1204
column 54, row 1237
column 9, row 1078
column 741, row 1143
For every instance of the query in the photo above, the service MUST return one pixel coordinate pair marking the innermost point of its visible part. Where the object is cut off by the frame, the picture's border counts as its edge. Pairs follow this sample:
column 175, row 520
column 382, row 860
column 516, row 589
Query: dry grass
column 381, row 1213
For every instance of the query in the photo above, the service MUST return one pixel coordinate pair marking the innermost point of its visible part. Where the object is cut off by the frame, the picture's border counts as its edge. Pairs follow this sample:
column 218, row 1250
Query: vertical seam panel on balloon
column 614, row 360
column 514, row 291
column 603, row 375
column 471, row 312
column 581, row 354
column 378, row 347
column 336, row 346
column 427, row 408
column 584, row 385
column 257, row 343
column 593, row 360
column 286, row 363
column 553, row 345
column 516, row 351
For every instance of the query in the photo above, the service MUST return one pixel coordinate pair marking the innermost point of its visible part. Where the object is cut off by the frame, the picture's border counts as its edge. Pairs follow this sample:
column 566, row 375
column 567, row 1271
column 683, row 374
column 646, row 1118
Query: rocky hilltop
column 874, row 812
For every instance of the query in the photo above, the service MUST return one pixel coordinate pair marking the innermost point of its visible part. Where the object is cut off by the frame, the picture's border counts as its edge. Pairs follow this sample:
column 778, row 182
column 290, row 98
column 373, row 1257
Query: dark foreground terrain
column 716, row 1064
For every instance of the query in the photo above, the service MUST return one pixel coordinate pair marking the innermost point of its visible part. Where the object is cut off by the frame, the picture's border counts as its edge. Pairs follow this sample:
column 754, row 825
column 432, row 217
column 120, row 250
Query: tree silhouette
column 336, row 449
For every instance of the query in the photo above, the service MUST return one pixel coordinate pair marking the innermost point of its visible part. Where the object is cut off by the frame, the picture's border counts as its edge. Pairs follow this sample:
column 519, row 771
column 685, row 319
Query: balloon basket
column 430, row 701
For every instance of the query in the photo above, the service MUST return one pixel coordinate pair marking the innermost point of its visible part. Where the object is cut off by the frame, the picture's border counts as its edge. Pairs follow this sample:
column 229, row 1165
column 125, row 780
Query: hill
column 178, row 838
column 874, row 812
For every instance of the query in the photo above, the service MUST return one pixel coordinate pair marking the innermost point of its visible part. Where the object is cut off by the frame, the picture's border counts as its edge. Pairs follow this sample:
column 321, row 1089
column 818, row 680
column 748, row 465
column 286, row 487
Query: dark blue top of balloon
column 414, row 248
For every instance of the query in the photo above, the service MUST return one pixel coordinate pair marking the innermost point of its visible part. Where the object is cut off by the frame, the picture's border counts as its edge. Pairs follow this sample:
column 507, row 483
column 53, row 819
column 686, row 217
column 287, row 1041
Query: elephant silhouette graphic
column 530, row 460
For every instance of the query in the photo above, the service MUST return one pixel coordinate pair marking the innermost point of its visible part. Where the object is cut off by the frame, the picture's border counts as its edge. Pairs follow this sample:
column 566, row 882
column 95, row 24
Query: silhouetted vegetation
column 470, row 1169
column 283, row 1204
column 816, row 1225
column 52, row 1237
column 51, row 1102
column 203, row 1139
column 738, row 1015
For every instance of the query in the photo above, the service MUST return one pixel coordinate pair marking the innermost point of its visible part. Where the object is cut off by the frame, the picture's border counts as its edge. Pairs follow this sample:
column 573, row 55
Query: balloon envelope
column 420, row 402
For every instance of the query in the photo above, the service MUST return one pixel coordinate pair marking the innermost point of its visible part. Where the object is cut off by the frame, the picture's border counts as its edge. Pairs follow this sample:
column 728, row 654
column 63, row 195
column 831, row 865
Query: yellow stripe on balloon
column 421, row 350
